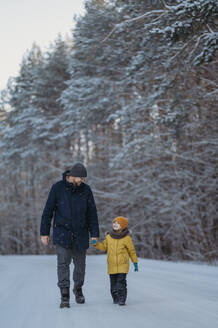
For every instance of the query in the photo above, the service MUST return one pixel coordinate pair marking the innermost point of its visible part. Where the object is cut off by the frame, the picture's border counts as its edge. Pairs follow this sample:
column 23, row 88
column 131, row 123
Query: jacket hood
column 64, row 175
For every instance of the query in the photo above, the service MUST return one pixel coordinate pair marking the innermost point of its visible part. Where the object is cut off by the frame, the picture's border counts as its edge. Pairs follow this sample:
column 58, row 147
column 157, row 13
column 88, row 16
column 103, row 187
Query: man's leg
column 64, row 256
column 122, row 288
column 79, row 261
column 113, row 288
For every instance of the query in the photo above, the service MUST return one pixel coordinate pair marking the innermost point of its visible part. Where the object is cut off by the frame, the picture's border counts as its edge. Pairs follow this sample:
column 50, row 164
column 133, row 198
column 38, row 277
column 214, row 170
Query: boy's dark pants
column 118, row 287
column 64, row 258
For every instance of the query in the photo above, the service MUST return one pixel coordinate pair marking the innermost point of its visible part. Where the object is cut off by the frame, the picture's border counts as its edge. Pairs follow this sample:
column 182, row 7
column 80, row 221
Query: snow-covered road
column 160, row 295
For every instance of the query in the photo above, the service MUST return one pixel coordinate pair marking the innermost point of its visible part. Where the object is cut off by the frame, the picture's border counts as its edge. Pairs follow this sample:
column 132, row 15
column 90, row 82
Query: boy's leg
column 122, row 288
column 113, row 288
column 79, row 261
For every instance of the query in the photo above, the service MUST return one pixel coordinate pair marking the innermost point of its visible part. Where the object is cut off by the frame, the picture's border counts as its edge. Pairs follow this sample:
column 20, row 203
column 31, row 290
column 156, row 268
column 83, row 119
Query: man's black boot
column 65, row 297
column 79, row 297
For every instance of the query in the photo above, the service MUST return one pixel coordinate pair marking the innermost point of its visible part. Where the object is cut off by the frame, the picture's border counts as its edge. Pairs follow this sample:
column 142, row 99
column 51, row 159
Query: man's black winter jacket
column 74, row 212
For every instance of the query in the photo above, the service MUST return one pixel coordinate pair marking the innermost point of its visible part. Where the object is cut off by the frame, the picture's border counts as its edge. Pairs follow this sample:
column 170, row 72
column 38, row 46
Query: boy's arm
column 102, row 246
column 131, row 250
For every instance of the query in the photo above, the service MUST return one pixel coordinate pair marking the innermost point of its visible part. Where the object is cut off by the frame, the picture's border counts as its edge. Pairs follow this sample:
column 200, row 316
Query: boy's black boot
column 79, row 297
column 122, row 298
column 65, row 297
column 114, row 294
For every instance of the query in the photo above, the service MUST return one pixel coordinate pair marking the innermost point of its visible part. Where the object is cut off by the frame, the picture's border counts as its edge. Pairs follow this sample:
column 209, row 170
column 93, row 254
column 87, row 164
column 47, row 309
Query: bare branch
column 209, row 82
column 165, row 5
column 210, row 29
column 197, row 44
column 154, row 12
column 211, row 93
column 181, row 50
column 144, row 15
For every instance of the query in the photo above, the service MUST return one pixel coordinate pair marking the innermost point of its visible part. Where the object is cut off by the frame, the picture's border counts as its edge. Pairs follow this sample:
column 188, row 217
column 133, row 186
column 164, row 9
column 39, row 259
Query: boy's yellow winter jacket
column 118, row 253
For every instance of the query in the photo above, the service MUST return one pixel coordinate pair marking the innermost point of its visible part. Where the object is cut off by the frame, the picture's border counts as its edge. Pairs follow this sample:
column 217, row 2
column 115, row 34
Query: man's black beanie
column 78, row 170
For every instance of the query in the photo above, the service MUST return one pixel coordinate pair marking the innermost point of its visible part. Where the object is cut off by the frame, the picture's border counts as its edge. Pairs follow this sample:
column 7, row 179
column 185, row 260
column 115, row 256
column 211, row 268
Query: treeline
column 133, row 96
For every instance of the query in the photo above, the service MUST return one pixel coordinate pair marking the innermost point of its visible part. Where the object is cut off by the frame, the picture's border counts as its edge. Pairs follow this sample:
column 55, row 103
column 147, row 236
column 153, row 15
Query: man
column 71, row 203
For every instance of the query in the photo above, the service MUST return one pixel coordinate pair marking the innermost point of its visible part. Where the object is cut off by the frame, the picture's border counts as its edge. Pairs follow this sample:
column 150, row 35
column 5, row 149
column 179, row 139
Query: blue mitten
column 94, row 241
column 136, row 266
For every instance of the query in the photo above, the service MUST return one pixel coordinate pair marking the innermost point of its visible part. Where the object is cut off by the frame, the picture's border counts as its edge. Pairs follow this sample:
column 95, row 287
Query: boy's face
column 117, row 226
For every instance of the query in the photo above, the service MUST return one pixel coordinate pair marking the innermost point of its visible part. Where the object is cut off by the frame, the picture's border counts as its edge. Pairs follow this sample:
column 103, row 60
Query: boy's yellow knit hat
column 122, row 221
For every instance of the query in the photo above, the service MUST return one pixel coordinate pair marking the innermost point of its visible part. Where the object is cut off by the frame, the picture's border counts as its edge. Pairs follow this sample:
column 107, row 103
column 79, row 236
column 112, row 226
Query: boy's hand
column 45, row 240
column 136, row 267
column 94, row 240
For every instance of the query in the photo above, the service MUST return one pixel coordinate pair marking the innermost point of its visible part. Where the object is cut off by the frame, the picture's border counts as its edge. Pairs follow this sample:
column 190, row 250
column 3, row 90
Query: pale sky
column 23, row 22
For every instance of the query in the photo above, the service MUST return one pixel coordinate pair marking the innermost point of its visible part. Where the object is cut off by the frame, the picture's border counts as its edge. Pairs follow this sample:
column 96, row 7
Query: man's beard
column 74, row 184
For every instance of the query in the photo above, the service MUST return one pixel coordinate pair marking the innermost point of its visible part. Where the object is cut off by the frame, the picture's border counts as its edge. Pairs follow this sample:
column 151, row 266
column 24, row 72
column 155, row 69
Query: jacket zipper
column 117, row 254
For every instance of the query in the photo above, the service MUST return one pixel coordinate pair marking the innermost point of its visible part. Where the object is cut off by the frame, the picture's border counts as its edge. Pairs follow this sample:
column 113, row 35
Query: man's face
column 75, row 180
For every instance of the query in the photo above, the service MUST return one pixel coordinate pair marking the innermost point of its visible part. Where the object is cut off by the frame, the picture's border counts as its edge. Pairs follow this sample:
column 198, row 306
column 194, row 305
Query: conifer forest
column 133, row 95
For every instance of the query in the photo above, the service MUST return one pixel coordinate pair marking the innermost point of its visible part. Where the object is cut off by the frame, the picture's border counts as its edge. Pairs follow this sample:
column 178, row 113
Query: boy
column 119, row 247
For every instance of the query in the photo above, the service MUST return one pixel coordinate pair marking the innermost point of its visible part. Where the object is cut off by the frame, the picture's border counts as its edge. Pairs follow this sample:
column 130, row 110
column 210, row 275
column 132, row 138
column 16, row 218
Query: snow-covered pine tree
column 139, row 113
column 52, row 148
column 17, row 157
column 194, row 24
column 34, row 153
column 167, row 95
column 91, row 98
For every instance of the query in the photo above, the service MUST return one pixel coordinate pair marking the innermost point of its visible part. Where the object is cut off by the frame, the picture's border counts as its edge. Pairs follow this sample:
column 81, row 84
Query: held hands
column 45, row 240
column 94, row 241
column 136, row 266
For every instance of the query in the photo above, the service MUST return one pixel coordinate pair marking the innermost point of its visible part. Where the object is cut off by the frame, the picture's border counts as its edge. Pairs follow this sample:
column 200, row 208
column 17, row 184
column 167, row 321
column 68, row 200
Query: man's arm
column 92, row 217
column 47, row 216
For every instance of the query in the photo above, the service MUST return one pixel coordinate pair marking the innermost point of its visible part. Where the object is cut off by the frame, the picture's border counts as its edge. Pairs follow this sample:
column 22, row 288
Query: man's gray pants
column 64, row 258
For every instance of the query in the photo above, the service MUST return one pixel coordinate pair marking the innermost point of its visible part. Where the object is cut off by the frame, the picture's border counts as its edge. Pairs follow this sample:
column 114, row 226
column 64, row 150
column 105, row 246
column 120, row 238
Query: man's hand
column 94, row 240
column 45, row 240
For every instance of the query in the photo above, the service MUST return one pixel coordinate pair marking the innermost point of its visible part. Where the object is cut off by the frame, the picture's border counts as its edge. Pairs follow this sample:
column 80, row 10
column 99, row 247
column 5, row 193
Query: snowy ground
column 160, row 295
